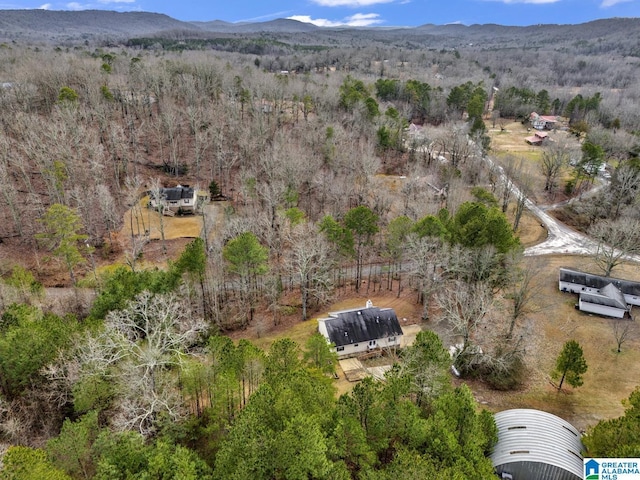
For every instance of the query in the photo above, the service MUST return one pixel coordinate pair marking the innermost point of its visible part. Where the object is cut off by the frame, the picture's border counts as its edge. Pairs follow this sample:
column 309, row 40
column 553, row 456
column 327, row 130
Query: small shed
column 538, row 138
column 361, row 330
column 533, row 445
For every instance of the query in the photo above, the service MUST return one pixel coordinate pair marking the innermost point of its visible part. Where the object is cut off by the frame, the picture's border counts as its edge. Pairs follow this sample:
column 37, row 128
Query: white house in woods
column 175, row 199
column 360, row 330
column 608, row 296
column 534, row 445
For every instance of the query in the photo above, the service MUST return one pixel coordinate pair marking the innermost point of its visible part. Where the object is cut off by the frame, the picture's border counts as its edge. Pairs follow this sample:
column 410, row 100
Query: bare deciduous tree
column 555, row 157
column 463, row 307
column 423, row 256
column 455, row 145
column 623, row 331
column 161, row 207
column 150, row 337
column 624, row 189
column 309, row 261
column 615, row 240
column 523, row 292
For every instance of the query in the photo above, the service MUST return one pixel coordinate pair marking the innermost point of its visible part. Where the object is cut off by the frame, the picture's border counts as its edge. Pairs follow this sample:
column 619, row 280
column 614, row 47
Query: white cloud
column 363, row 19
column 349, row 3
column 357, row 20
column 534, row 2
column 90, row 6
column 44, row 6
column 611, row 3
column 268, row 16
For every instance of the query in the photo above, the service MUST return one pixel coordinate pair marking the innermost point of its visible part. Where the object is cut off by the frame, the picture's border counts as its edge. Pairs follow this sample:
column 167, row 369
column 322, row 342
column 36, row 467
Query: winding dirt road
column 561, row 239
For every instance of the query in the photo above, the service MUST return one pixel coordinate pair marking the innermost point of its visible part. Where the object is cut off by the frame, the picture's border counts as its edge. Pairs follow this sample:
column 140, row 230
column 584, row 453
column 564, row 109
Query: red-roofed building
column 538, row 139
column 542, row 122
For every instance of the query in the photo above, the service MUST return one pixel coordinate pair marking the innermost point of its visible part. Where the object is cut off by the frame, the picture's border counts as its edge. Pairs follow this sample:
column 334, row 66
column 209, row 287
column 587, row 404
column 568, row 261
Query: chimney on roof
column 369, row 304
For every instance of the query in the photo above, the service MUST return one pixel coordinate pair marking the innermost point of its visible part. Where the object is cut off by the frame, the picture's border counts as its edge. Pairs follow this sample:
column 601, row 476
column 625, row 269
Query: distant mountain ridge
column 49, row 24
column 280, row 25
column 102, row 25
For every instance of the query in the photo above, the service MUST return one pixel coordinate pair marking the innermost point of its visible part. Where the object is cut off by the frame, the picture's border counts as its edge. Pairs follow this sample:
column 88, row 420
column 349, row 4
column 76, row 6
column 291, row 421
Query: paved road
column 561, row 239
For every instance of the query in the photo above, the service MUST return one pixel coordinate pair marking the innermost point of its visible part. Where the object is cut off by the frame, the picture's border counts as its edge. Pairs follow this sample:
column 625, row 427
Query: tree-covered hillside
column 340, row 172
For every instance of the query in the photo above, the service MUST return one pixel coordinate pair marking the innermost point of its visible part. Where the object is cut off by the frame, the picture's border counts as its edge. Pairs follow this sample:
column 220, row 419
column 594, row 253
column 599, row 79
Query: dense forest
column 321, row 189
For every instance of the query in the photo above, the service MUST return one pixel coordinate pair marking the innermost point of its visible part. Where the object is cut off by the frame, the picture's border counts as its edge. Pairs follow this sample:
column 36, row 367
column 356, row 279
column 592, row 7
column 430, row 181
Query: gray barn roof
column 528, row 438
column 362, row 325
column 596, row 281
column 609, row 296
column 177, row 193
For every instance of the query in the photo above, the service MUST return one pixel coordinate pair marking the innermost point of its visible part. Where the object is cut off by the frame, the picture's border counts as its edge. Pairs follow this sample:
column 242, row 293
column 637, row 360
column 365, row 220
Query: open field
column 177, row 231
column 510, row 141
column 611, row 376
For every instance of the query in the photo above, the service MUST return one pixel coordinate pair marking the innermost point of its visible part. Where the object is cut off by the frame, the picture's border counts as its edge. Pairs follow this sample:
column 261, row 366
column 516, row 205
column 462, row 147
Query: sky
column 363, row 13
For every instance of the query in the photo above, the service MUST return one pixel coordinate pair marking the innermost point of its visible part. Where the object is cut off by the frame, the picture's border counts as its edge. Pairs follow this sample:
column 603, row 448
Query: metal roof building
column 569, row 276
column 536, row 445
column 601, row 295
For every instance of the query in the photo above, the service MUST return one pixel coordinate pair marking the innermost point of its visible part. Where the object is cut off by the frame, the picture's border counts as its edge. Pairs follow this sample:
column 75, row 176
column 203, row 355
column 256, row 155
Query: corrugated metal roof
column 596, row 281
column 362, row 325
column 527, row 435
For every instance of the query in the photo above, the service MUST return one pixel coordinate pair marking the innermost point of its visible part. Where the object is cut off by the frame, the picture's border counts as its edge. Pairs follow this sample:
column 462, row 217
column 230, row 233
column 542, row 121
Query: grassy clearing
column 611, row 377
column 406, row 308
column 148, row 219
column 530, row 231
column 510, row 142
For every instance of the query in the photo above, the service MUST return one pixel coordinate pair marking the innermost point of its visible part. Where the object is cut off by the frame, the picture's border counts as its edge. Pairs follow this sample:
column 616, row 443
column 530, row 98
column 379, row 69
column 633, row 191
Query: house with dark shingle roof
column 360, row 330
column 177, row 199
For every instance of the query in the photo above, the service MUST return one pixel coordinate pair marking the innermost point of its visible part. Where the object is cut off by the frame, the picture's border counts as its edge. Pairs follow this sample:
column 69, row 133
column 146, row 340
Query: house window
column 392, row 339
column 339, row 349
column 356, row 344
column 186, row 200
column 372, row 343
